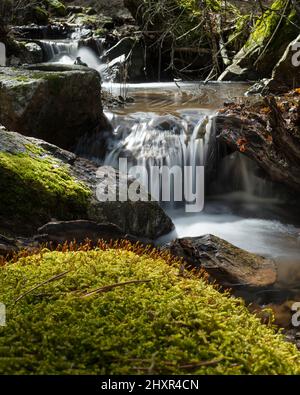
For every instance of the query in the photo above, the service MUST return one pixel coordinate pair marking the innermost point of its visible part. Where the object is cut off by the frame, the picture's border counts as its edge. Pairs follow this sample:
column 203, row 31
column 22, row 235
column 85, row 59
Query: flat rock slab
column 229, row 265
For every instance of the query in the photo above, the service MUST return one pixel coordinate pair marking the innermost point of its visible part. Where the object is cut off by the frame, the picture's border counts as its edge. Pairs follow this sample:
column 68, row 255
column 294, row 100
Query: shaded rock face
column 268, row 133
column 229, row 265
column 58, row 104
column 25, row 53
column 40, row 182
column 51, row 31
column 60, row 232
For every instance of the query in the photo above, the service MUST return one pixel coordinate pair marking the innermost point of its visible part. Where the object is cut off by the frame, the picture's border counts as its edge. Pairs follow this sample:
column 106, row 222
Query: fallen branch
column 110, row 287
column 54, row 278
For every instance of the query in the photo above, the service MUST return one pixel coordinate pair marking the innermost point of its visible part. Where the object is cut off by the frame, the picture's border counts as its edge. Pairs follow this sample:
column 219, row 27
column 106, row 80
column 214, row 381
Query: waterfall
column 66, row 51
column 150, row 140
column 55, row 50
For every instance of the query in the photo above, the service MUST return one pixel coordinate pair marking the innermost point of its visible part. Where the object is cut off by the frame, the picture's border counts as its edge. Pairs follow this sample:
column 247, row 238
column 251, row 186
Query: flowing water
column 66, row 51
column 169, row 124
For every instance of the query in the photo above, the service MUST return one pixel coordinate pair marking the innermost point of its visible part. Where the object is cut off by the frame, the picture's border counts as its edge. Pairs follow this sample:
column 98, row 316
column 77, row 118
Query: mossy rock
column 72, row 313
column 40, row 182
column 35, row 186
column 266, row 44
column 56, row 7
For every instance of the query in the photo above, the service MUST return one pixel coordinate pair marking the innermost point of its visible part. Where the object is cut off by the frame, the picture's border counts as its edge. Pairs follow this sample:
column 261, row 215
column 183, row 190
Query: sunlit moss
column 164, row 322
column 36, row 187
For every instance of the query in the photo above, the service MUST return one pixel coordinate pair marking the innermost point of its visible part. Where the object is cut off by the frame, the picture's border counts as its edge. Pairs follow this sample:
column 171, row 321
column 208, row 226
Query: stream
column 169, row 124
column 241, row 207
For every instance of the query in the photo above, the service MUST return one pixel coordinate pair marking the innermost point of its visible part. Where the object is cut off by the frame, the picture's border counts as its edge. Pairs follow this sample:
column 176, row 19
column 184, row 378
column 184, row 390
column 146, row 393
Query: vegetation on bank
column 128, row 310
column 202, row 38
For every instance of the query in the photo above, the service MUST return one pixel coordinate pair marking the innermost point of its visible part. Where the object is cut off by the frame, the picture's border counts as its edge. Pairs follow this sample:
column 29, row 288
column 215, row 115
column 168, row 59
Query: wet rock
column 230, row 266
column 56, row 8
column 40, row 183
column 166, row 123
column 49, row 102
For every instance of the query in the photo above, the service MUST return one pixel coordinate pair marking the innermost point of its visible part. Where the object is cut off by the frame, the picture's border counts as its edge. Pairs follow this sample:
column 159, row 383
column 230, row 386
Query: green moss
column 36, row 187
column 266, row 25
column 56, row 7
column 158, row 326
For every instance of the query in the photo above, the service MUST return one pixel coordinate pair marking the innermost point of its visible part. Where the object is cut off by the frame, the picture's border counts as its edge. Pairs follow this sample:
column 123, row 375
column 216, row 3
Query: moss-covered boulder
column 273, row 31
column 40, row 182
column 58, row 104
column 128, row 311
column 36, row 186
column 55, row 7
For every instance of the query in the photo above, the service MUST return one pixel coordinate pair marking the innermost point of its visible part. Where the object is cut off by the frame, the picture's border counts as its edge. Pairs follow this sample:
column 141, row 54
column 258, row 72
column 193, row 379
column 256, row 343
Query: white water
column 245, row 210
column 66, row 52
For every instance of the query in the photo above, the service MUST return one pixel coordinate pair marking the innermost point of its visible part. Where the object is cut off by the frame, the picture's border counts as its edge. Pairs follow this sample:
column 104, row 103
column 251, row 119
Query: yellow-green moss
column 266, row 25
column 36, row 187
column 170, row 324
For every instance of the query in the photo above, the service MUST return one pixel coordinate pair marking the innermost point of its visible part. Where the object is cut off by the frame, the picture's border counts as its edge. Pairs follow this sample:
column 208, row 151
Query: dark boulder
column 230, row 266
column 56, row 103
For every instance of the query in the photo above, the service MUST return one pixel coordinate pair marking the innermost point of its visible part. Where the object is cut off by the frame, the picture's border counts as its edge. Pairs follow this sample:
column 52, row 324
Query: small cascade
column 149, row 140
column 66, row 51
column 239, row 174
column 55, row 50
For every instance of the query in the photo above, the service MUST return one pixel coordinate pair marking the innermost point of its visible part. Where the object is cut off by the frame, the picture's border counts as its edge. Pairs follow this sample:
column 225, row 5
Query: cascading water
column 169, row 125
column 56, row 50
column 147, row 140
column 66, row 52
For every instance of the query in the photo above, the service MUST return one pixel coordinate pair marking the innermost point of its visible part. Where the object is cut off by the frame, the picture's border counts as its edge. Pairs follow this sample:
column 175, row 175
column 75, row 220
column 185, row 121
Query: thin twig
column 54, row 278
column 110, row 287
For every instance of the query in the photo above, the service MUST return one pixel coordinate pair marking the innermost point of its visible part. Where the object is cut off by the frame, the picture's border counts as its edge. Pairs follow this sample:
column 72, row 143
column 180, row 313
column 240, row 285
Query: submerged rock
column 56, row 103
column 40, row 182
column 229, row 265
